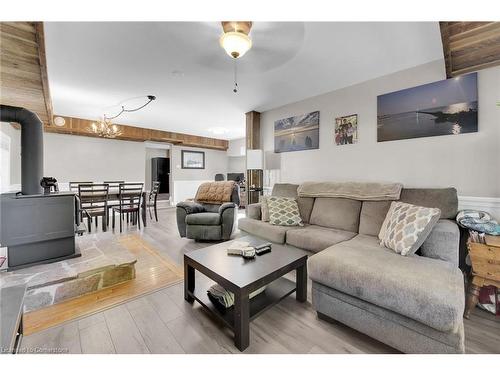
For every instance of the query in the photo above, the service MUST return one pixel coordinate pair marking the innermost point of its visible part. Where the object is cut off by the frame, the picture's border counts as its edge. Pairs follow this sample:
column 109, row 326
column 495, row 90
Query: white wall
column 469, row 162
column 10, row 156
column 76, row 158
column 236, row 147
column 236, row 155
column 236, row 164
column 189, row 179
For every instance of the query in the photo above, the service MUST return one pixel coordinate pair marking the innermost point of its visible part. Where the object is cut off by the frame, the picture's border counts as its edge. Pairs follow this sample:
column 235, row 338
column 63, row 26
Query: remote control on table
column 264, row 245
column 263, row 250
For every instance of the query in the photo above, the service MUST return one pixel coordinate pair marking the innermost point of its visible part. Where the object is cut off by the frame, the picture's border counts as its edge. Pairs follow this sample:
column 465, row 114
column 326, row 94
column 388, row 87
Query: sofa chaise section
column 429, row 291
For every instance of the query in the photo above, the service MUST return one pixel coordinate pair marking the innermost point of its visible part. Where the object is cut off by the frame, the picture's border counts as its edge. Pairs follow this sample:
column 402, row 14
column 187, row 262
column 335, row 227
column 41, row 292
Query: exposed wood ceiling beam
column 82, row 127
column 24, row 83
column 470, row 46
column 23, row 69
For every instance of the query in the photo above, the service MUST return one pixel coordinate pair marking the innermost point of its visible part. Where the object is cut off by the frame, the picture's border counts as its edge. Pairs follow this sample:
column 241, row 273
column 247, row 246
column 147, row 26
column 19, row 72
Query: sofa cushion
column 316, row 238
column 372, row 216
column 305, row 207
column 427, row 290
column 338, row 213
column 273, row 233
column 443, row 242
column 203, row 218
column 264, row 209
column 285, row 190
column 406, row 227
column 444, row 199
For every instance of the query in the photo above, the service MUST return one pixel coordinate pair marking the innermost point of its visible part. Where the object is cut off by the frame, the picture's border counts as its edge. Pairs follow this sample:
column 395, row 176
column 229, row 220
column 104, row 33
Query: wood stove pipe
column 31, row 146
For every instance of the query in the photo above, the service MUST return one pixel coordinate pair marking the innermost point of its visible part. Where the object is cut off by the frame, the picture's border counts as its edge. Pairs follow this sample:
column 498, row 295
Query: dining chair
column 153, row 199
column 113, row 192
column 129, row 202
column 94, row 203
column 73, row 185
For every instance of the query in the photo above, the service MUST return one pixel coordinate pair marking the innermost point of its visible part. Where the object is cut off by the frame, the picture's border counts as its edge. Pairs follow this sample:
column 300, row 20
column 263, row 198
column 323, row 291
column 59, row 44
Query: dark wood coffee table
column 242, row 277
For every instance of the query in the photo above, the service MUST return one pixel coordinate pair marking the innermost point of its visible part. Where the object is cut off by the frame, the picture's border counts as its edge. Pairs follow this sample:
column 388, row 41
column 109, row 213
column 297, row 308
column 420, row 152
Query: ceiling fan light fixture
column 235, row 43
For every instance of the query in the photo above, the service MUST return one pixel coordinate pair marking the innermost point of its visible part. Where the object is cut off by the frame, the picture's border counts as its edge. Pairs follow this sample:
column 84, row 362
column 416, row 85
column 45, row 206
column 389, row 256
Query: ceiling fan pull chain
column 235, row 89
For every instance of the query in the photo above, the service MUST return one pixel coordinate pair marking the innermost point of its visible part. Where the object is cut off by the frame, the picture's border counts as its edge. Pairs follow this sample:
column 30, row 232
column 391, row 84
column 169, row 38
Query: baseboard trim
column 488, row 204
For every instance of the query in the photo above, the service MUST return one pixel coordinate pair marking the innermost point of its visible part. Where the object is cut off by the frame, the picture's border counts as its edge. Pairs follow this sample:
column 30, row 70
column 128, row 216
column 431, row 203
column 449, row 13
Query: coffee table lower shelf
column 274, row 293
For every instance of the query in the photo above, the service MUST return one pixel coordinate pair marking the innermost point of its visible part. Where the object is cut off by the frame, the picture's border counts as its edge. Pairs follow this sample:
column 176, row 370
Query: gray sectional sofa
column 412, row 303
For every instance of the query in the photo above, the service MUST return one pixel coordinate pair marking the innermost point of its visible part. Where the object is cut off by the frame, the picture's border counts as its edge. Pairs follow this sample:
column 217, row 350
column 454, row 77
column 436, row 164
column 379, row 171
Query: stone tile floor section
column 98, row 267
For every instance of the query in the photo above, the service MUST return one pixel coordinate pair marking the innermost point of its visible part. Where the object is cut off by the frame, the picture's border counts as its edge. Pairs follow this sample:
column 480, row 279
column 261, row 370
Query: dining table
column 114, row 193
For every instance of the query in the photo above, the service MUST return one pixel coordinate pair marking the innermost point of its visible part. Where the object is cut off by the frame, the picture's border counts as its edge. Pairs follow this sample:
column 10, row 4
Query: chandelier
column 105, row 128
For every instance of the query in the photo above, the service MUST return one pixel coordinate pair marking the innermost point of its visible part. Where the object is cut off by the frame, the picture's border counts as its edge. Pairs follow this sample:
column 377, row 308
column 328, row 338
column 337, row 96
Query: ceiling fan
column 235, row 39
column 276, row 43
column 236, row 42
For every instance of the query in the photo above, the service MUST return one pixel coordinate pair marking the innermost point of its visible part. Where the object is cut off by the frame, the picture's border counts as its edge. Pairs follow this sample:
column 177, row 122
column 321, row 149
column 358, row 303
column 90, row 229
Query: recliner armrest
column 225, row 206
column 191, row 207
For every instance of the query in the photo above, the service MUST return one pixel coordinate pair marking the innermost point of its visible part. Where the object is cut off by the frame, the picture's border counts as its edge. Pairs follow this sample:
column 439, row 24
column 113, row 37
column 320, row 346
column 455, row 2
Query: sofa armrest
column 191, row 207
column 254, row 211
column 443, row 242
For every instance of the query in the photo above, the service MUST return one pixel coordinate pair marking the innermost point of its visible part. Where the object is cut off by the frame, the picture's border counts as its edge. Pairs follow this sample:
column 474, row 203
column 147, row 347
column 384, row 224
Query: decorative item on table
column 225, row 298
column 263, row 248
column 297, row 133
column 48, row 184
column 478, row 221
column 241, row 248
column 445, row 107
column 346, row 130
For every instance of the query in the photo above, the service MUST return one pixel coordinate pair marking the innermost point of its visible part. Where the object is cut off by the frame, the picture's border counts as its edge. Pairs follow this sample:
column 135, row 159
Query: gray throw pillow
column 283, row 211
column 407, row 226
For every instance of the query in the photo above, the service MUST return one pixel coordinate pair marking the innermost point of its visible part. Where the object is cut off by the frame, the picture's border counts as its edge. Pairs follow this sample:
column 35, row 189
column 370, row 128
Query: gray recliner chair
column 208, row 222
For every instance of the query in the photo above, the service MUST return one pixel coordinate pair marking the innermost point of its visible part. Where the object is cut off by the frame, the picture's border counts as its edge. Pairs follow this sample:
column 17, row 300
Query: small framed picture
column 192, row 159
column 346, row 130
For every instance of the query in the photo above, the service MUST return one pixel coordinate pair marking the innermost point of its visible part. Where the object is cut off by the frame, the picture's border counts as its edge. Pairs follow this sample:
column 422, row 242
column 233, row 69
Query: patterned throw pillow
column 283, row 211
column 406, row 227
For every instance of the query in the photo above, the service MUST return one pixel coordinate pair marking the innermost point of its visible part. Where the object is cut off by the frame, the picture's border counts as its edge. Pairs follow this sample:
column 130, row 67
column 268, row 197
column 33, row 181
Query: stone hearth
column 98, row 267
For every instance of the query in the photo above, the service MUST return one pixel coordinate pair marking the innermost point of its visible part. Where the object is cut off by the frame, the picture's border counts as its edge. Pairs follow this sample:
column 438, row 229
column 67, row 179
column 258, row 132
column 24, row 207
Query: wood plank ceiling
column 470, row 46
column 24, row 83
column 23, row 74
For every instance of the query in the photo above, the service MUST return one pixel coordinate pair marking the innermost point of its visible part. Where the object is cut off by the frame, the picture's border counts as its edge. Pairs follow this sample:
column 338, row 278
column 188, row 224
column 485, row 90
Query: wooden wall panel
column 253, row 130
column 470, row 46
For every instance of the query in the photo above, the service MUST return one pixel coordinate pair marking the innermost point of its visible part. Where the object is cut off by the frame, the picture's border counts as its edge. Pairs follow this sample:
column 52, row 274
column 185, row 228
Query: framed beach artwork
column 192, row 159
column 440, row 108
column 297, row 133
column 346, row 130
